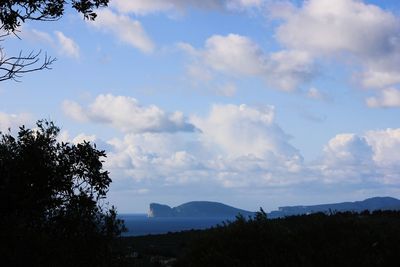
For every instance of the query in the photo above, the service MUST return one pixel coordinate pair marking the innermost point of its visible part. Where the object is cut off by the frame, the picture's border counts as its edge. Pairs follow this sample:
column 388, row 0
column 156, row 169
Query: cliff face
column 159, row 210
column 197, row 209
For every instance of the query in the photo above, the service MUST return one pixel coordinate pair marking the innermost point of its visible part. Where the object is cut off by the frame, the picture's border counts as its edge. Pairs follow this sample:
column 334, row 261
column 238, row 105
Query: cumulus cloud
column 364, row 32
column 242, row 130
column 348, row 149
column 385, row 145
column 13, row 121
column 388, row 98
column 127, row 115
column 153, row 157
column 249, row 147
column 124, row 28
column 235, row 55
column 237, row 146
column 371, row 157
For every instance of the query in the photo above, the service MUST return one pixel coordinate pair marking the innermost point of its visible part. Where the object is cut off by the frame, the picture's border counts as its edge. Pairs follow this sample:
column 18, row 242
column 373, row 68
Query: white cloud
column 141, row 7
column 339, row 26
column 242, row 130
column 372, row 157
column 288, row 69
column 348, row 149
column 13, row 121
column 64, row 136
column 127, row 115
column 379, row 78
column 144, row 7
column 244, row 3
column 386, row 146
column 388, row 98
column 365, row 33
column 74, row 111
column 125, row 29
column 237, row 146
column 80, row 138
column 36, row 35
column 67, row 45
column 64, row 45
column 153, row 157
column 235, row 55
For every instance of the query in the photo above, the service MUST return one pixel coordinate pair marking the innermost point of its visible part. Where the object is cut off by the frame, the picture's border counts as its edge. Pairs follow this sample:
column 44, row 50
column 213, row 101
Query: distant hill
column 371, row 204
column 197, row 209
column 203, row 209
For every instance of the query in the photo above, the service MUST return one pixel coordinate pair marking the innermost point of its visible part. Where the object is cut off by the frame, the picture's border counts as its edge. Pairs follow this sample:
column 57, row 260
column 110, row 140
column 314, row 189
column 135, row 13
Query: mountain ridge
column 371, row 204
column 201, row 209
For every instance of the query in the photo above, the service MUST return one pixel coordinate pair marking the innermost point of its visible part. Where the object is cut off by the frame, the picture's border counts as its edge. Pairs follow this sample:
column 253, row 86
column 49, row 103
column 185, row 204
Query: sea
column 140, row 224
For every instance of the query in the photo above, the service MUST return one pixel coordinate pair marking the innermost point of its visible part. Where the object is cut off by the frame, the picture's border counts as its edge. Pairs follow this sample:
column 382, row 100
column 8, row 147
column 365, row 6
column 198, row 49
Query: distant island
column 198, row 209
column 203, row 209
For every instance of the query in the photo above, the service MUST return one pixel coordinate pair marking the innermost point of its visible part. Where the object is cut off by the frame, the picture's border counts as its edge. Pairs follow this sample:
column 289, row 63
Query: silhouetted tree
column 52, row 201
column 13, row 13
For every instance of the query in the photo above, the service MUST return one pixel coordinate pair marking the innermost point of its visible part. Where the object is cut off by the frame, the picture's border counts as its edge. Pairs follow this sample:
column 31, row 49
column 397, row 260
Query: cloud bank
column 235, row 55
column 127, row 115
column 356, row 34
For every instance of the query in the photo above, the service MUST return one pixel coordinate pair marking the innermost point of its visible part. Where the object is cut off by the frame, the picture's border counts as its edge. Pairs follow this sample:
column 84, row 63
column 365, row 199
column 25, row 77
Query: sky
column 253, row 103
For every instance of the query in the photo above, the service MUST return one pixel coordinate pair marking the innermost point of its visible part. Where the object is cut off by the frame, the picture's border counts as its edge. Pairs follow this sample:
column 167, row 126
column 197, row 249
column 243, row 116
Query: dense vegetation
column 52, row 195
column 341, row 239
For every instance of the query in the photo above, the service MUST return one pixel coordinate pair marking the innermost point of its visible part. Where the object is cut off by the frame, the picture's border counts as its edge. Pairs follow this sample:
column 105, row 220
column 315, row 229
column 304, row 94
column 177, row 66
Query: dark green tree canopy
column 15, row 12
column 52, row 196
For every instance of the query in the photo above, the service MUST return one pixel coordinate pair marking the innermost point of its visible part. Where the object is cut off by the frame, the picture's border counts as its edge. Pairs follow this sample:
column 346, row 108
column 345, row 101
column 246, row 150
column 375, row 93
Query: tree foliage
column 13, row 13
column 337, row 239
column 52, row 196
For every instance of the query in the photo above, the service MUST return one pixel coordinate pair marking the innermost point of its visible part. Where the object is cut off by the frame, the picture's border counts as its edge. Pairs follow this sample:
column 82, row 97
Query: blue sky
column 247, row 102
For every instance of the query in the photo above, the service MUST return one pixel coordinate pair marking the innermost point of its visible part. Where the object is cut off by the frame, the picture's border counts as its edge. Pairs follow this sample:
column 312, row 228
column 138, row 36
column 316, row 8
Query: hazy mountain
column 196, row 209
column 214, row 209
column 371, row 204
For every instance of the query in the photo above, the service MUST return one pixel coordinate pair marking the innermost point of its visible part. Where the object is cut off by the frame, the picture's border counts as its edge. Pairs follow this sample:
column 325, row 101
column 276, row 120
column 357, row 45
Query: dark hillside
column 341, row 239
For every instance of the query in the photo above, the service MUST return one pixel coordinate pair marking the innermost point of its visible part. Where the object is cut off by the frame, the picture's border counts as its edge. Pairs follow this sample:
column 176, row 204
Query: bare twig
column 11, row 68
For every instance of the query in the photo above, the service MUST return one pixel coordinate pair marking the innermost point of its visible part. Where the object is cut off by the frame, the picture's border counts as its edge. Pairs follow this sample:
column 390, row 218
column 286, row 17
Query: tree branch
column 11, row 68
